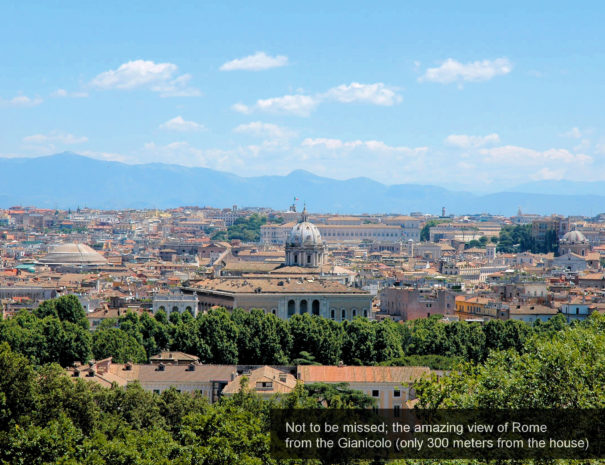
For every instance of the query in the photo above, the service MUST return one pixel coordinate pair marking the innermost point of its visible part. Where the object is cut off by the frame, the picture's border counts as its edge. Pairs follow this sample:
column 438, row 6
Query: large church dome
column 304, row 246
column 304, row 233
column 73, row 254
column 574, row 237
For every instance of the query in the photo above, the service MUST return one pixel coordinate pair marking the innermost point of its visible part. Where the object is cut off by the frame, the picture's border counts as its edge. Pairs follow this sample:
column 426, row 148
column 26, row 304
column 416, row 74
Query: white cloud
column 303, row 105
column 466, row 142
column 513, row 155
column 55, row 137
column 300, row 105
column 179, row 124
column 377, row 94
column 62, row 93
column 371, row 145
column 257, row 62
column 454, row 71
column 24, row 101
column 269, row 130
column 157, row 77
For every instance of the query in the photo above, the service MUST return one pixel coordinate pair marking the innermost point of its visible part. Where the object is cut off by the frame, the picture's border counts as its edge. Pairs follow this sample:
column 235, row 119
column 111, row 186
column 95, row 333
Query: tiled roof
column 360, row 374
column 281, row 382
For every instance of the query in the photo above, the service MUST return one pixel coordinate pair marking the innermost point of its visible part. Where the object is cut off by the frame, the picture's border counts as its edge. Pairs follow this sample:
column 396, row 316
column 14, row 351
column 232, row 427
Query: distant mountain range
column 68, row 180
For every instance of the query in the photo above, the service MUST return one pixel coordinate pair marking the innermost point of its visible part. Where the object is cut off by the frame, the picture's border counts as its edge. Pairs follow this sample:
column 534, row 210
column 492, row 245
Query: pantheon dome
column 73, row 254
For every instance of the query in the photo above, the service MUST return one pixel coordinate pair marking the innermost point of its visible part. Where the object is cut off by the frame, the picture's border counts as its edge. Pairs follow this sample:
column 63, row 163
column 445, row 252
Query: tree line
column 58, row 332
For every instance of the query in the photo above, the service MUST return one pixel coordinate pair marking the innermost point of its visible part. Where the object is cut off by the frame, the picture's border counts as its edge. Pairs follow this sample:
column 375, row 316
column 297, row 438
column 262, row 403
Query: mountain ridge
column 67, row 180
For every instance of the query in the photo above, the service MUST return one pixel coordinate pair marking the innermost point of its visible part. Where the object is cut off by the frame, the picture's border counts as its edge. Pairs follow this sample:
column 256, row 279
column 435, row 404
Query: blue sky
column 477, row 96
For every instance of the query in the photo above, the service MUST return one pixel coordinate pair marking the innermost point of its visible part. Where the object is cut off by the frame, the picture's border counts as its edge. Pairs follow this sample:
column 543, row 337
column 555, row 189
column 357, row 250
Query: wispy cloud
column 299, row 105
column 465, row 141
column 521, row 156
column 303, row 105
column 55, row 137
column 22, row 101
column 179, row 124
column 454, row 71
column 268, row 130
column 257, row 62
column 157, row 77
column 377, row 94
column 574, row 133
column 62, row 93
column 371, row 145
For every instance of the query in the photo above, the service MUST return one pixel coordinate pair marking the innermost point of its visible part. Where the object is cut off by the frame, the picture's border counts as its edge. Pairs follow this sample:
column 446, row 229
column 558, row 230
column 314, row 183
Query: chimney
column 161, row 367
column 191, row 367
column 233, row 376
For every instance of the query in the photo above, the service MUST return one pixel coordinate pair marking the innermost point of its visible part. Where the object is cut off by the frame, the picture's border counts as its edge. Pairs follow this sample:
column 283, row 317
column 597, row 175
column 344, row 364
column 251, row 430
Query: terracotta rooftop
column 359, row 374
column 276, row 381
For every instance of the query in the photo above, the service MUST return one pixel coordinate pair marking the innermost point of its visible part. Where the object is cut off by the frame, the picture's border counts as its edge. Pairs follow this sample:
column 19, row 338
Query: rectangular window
column 396, row 393
column 397, row 411
column 375, row 393
column 156, row 391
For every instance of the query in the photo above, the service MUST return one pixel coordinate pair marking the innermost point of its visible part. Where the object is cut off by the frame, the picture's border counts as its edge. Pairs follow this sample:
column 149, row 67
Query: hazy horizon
column 475, row 97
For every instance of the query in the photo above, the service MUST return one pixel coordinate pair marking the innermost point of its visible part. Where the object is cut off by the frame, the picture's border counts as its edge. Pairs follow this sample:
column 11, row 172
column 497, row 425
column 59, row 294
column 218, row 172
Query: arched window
column 175, row 309
column 309, row 258
column 274, row 311
column 354, row 313
column 189, row 309
column 332, row 313
column 344, row 314
column 295, row 258
column 162, row 308
column 291, row 307
column 303, row 307
column 365, row 313
column 315, row 307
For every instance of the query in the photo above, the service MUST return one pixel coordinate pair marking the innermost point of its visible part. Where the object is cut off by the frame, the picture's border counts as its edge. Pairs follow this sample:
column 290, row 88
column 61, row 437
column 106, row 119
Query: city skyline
column 478, row 97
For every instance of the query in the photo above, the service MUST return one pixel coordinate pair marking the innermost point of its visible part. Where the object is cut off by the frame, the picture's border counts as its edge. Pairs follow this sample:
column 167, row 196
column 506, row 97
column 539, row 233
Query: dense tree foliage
column 47, row 339
column 519, row 239
column 425, row 232
column 247, row 229
column 562, row 369
column 53, row 334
